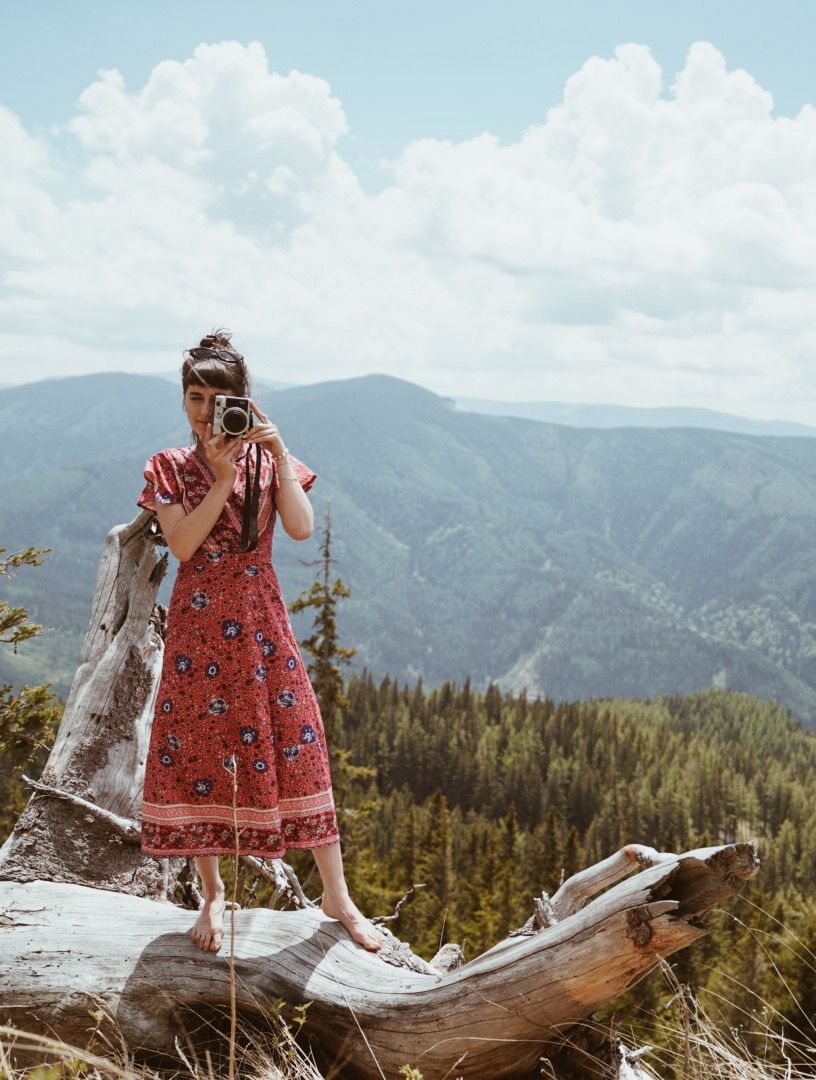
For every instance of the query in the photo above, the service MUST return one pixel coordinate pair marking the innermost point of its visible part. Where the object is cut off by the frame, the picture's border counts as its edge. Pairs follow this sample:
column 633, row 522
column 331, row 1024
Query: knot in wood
column 638, row 928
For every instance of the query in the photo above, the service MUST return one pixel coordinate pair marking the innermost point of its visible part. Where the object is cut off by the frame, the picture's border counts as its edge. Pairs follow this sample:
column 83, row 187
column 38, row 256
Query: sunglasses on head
column 204, row 352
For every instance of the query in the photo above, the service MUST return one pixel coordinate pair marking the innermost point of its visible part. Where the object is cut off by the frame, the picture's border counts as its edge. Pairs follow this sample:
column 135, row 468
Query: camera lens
column 234, row 421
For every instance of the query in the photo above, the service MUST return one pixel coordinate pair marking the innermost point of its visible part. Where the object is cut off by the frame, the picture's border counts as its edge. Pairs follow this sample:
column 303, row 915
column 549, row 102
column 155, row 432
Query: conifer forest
column 457, row 807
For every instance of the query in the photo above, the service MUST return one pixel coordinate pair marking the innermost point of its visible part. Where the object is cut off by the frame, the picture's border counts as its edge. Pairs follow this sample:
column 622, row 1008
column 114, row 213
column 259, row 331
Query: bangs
column 216, row 374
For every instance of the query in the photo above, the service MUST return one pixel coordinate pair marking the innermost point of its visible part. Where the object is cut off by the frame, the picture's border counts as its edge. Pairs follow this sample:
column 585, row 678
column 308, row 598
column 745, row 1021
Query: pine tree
column 482, row 925
column 435, row 867
column 356, row 798
column 29, row 719
column 511, row 901
column 572, row 853
column 323, row 645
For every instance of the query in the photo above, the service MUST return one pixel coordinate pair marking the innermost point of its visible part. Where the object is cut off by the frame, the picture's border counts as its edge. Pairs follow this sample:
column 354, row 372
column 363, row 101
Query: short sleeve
column 162, row 485
column 306, row 475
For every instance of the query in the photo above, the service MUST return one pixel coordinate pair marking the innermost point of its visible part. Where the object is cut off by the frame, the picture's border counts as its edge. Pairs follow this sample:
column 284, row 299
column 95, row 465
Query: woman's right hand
column 222, row 453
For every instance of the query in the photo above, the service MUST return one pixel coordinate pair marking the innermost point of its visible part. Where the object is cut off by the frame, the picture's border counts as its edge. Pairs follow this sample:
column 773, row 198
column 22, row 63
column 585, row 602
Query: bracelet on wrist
column 281, row 459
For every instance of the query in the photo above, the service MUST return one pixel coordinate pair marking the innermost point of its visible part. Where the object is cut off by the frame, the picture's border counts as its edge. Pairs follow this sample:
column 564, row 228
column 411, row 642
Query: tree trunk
column 86, row 919
column 101, row 745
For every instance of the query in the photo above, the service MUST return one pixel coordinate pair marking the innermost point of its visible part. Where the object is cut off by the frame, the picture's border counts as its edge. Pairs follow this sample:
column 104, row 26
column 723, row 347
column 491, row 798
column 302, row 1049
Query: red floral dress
column 234, row 704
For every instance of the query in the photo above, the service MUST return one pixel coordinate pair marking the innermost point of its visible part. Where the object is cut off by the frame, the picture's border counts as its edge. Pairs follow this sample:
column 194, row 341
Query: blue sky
column 576, row 202
column 402, row 71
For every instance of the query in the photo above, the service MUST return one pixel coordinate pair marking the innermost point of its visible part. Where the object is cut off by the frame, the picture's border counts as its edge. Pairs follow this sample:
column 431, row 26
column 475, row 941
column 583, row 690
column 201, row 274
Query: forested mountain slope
column 576, row 562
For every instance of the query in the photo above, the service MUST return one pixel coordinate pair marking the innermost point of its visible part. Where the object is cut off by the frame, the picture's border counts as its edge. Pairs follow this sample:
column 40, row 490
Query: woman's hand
column 221, row 453
column 266, row 433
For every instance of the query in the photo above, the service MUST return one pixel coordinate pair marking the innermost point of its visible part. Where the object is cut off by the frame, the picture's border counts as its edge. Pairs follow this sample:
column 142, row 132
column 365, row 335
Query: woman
column 236, row 718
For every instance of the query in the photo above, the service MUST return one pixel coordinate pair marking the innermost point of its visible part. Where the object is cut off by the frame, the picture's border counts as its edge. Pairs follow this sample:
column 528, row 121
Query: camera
column 231, row 415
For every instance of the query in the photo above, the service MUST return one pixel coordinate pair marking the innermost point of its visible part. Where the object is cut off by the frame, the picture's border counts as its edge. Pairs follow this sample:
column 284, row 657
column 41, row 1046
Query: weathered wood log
column 86, row 918
column 62, row 945
column 101, row 744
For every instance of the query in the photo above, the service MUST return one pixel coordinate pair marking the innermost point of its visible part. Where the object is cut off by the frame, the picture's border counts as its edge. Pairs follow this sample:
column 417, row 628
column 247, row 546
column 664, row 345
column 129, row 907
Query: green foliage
column 353, row 783
column 14, row 620
column 489, row 799
column 323, row 644
column 29, row 718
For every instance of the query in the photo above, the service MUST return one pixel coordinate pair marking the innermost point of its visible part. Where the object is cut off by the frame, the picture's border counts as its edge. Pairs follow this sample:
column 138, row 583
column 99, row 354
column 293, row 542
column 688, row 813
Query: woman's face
column 199, row 403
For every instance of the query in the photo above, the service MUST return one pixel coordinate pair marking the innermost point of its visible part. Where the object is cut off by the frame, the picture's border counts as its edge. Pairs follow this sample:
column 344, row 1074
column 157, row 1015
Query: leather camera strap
column 249, row 531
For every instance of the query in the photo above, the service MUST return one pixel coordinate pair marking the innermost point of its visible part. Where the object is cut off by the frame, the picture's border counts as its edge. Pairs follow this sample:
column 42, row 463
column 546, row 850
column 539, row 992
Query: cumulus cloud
column 644, row 241
column 25, row 208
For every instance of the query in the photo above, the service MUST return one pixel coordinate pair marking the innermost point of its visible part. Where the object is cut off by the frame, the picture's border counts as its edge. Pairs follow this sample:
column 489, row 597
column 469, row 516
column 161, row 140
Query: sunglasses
column 204, row 352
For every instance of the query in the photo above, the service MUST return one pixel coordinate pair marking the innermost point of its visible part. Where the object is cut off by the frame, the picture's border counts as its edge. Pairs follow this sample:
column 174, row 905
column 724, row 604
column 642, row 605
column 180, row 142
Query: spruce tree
column 353, row 785
column 323, row 644
column 28, row 719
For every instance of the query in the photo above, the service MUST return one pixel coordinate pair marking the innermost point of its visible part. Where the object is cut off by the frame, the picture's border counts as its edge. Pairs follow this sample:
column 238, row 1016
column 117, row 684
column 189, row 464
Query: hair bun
column 218, row 339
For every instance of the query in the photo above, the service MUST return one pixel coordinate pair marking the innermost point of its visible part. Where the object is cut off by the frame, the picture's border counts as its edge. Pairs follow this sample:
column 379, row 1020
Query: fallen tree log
column 64, row 947
column 86, row 919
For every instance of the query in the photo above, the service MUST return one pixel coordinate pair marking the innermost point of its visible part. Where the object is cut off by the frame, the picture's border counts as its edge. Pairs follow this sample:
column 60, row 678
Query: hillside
column 578, row 563
column 606, row 415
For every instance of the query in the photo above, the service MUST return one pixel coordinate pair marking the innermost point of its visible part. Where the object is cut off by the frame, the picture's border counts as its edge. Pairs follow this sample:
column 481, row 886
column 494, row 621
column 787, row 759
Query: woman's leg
column 337, row 903
column 209, row 927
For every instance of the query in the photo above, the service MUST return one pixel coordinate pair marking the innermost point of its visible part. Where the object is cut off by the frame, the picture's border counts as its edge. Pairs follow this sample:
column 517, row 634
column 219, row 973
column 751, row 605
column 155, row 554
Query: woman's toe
column 373, row 943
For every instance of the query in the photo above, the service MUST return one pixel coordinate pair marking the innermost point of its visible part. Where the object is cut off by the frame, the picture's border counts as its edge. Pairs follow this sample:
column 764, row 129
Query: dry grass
column 699, row 1044
column 696, row 1046
column 266, row 1050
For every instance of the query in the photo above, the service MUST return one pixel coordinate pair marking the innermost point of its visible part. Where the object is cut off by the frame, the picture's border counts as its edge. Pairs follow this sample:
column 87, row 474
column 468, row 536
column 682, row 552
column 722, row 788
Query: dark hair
column 232, row 378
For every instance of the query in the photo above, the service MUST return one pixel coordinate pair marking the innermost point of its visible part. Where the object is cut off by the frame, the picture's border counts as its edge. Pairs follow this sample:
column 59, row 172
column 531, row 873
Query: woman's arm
column 292, row 503
column 185, row 532
column 289, row 492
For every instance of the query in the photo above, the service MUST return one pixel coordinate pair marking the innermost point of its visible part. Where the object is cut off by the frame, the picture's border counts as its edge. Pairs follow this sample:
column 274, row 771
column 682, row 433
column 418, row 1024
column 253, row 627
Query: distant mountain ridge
column 575, row 414
column 628, row 562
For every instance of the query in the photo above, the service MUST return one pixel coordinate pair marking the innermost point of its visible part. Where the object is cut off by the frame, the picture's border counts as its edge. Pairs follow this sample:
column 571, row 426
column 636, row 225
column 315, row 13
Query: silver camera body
column 232, row 415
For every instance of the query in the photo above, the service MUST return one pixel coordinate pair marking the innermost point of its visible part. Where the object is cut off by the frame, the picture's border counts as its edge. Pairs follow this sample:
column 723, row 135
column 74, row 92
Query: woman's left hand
column 266, row 433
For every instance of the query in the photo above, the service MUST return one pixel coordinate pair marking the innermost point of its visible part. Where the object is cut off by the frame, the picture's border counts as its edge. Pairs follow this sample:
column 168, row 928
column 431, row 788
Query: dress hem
column 181, row 853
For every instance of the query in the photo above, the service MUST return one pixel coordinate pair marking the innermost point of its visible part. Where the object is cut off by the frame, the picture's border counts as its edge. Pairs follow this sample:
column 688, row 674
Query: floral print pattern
column 235, row 711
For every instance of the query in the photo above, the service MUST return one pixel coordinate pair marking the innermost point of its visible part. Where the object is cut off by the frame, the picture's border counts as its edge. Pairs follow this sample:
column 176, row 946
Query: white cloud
column 641, row 243
column 25, row 209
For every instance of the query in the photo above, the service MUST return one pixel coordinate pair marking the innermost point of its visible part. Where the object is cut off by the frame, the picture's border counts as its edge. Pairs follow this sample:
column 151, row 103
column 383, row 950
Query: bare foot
column 209, row 926
column 363, row 931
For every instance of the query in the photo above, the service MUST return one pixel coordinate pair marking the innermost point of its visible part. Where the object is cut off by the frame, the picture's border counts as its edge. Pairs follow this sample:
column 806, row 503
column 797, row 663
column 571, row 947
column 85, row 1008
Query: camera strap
column 249, row 531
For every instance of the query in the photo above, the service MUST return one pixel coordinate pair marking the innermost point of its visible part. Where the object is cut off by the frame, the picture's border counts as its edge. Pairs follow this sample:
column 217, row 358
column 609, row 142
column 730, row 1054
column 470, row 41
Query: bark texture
column 64, row 947
column 100, row 749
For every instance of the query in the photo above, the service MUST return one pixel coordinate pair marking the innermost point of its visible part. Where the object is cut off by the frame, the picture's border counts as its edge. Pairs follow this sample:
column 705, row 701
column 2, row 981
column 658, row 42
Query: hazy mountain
column 608, row 416
column 258, row 385
column 575, row 414
column 627, row 562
